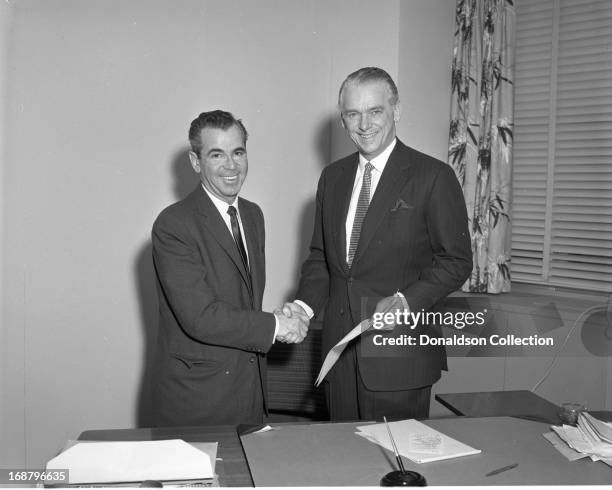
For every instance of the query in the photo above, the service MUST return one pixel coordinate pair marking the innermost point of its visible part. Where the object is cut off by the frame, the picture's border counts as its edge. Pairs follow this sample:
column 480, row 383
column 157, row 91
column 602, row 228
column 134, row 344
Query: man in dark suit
column 390, row 234
column 208, row 251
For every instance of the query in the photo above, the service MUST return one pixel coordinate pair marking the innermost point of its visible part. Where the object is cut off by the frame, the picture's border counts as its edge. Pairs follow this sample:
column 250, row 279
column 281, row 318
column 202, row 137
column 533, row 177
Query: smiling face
column 223, row 162
column 368, row 116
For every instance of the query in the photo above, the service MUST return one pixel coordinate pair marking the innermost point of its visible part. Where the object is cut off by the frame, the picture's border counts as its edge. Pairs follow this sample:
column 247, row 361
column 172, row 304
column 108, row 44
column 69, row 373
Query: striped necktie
column 363, row 202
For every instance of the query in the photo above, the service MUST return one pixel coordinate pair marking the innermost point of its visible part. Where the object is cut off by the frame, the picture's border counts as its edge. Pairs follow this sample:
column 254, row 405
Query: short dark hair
column 213, row 119
column 371, row 74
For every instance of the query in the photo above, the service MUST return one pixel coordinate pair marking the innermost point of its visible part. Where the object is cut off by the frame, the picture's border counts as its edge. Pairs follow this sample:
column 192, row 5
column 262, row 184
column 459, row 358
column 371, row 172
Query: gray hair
column 371, row 74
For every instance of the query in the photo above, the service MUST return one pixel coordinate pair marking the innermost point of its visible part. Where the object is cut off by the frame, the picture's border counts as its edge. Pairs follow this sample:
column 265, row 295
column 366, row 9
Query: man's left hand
column 393, row 304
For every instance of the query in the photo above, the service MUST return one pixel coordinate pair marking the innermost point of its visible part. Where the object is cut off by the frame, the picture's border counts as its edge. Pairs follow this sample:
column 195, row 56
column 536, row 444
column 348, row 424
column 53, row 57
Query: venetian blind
column 562, row 182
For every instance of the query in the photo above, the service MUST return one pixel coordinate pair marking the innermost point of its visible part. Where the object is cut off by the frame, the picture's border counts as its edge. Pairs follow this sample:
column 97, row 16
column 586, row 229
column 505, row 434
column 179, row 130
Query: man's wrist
column 307, row 309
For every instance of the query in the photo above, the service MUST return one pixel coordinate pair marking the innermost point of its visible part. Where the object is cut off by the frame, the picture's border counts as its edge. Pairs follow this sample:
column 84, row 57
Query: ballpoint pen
column 401, row 477
column 502, row 469
column 397, row 456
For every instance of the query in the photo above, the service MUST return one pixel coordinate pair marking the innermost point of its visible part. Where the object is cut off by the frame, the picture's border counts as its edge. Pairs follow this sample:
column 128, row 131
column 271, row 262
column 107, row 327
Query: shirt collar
column 221, row 205
column 379, row 161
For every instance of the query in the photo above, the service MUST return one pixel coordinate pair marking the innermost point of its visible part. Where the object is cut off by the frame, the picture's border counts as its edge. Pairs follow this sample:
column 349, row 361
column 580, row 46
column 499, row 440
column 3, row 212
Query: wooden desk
column 521, row 403
column 233, row 471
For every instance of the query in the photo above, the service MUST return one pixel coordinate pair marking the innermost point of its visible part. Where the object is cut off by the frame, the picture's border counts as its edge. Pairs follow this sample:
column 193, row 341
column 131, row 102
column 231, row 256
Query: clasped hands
column 292, row 323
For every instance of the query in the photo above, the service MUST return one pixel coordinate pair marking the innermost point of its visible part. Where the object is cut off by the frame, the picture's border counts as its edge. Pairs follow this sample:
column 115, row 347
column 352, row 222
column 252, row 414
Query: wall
column 426, row 41
column 6, row 12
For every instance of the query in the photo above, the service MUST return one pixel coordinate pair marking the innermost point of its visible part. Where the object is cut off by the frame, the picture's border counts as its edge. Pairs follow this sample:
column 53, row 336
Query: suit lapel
column 343, row 191
column 391, row 182
column 218, row 229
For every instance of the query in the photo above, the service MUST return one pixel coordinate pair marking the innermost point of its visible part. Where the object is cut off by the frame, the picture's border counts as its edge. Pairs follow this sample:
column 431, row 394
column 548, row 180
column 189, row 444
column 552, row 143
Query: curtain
column 481, row 134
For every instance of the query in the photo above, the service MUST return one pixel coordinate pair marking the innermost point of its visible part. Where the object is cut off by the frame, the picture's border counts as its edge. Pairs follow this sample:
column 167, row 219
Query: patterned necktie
column 363, row 202
column 238, row 237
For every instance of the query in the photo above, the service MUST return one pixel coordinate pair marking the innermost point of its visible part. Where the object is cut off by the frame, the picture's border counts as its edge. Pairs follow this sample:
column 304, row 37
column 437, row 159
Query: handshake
column 292, row 323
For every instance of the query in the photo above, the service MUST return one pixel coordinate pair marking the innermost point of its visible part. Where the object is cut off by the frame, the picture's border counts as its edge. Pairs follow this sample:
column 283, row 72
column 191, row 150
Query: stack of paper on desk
column 591, row 437
column 129, row 461
column 416, row 441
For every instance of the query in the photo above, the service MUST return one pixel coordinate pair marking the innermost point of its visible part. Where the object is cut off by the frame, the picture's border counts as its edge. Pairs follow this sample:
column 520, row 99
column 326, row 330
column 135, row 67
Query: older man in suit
column 208, row 251
column 390, row 234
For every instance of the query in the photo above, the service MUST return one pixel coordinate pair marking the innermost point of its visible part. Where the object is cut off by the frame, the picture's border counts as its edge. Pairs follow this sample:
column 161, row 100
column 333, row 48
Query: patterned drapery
column 481, row 134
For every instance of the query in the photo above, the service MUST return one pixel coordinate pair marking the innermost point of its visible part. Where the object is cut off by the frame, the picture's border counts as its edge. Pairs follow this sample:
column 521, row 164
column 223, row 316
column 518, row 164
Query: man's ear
column 195, row 162
column 397, row 111
column 342, row 122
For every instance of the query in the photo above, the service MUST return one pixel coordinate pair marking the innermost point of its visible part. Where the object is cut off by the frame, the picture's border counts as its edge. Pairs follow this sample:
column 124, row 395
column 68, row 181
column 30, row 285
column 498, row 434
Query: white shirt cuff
column 306, row 308
column 275, row 328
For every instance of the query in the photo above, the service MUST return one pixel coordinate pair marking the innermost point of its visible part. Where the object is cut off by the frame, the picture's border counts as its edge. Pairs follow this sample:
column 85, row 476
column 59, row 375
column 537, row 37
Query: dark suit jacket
column 210, row 363
column 414, row 239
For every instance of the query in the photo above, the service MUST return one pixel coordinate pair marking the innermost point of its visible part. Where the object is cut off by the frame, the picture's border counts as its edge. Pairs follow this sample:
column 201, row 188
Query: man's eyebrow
column 214, row 150
column 239, row 148
column 368, row 109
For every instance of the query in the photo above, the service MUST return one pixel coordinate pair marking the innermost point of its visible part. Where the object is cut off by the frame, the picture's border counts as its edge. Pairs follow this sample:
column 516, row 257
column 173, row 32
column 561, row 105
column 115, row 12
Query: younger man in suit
column 208, row 251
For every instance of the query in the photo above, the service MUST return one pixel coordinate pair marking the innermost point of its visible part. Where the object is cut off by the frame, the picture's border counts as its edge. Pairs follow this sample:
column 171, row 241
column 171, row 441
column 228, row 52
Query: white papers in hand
column 334, row 353
column 416, row 441
column 130, row 461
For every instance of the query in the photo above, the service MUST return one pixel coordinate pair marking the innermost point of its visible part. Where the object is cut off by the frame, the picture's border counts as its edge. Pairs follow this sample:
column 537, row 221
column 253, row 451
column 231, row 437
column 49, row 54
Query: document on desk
column 135, row 461
column 560, row 445
column 590, row 436
column 416, row 441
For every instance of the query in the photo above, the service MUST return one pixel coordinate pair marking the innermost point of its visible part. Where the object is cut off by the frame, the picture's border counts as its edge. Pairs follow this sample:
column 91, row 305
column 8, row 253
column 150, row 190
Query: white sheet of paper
column 583, row 442
column 404, row 432
column 132, row 461
column 602, row 430
column 562, row 447
column 335, row 352
column 426, row 443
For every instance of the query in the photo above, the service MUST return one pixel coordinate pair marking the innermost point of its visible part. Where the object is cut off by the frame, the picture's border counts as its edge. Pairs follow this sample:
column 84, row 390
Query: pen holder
column 569, row 412
column 400, row 478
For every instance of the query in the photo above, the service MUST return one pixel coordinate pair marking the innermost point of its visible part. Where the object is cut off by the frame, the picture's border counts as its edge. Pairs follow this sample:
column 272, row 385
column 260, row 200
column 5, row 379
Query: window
column 562, row 182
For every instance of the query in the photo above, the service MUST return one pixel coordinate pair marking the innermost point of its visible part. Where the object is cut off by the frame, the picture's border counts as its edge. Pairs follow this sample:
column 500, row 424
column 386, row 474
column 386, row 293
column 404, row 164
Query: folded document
column 130, row 461
column 416, row 441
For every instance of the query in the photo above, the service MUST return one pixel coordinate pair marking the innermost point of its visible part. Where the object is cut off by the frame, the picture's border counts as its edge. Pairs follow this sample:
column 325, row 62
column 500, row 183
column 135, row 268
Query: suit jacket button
column 252, row 359
column 342, row 311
